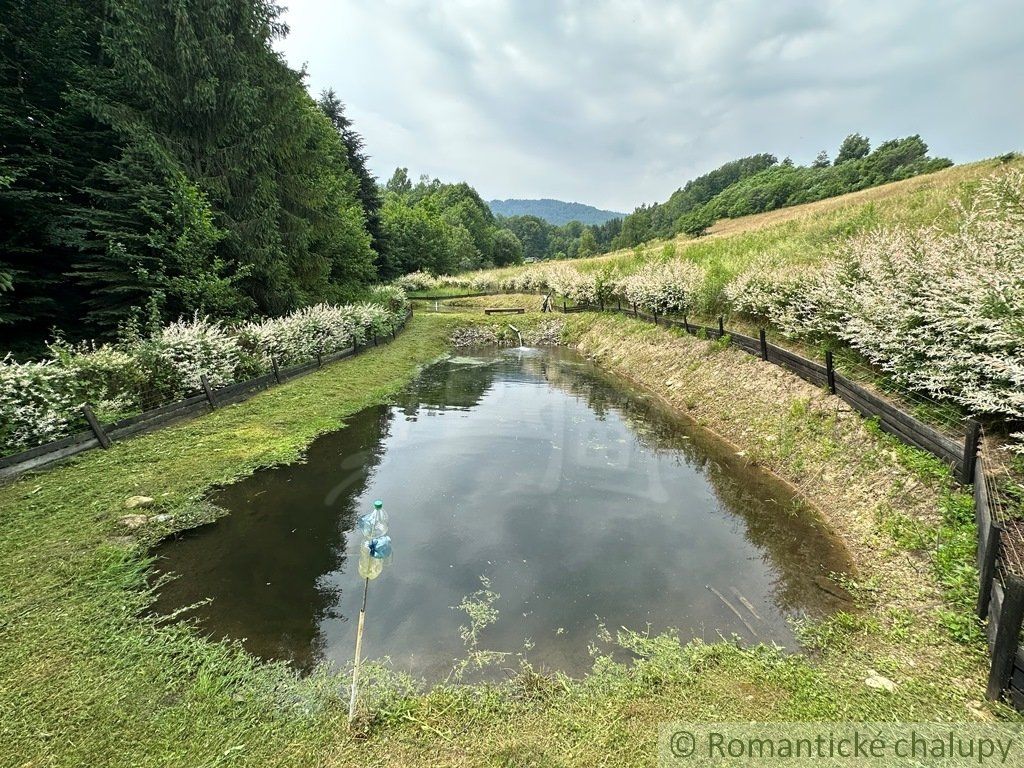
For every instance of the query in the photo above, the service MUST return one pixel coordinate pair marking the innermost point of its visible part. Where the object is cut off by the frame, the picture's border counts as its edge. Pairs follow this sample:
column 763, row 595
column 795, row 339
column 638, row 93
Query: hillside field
column 804, row 233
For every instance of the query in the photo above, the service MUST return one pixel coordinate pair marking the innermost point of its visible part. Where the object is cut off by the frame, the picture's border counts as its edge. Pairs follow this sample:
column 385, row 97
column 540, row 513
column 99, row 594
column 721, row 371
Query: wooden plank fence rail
column 100, row 435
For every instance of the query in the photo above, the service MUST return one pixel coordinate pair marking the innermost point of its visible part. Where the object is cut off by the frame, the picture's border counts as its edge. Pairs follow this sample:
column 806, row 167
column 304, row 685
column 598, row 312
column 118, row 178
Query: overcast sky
column 618, row 103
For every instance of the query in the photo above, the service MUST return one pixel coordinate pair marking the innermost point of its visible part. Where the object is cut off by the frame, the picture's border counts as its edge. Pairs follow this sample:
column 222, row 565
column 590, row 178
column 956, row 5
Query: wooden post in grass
column 830, row 371
column 764, row 344
column 208, row 390
column 971, row 442
column 1007, row 634
column 359, row 651
column 988, row 544
column 277, row 371
column 634, row 309
column 565, row 307
column 94, row 424
column 721, row 327
column 319, row 360
column 686, row 324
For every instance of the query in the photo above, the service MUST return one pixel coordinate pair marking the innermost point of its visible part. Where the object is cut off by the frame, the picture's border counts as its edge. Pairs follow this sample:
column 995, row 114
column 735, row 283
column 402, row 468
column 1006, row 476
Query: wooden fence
column 1001, row 589
column 102, row 435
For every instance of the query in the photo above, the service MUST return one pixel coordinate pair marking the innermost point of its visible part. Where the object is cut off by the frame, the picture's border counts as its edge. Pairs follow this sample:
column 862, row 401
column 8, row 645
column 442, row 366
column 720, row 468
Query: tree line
column 161, row 159
column 761, row 183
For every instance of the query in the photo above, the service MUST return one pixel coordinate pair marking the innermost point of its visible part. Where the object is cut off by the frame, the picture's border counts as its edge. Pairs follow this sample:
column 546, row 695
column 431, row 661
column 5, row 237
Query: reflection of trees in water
column 268, row 571
column 795, row 540
column 360, row 453
column 447, row 385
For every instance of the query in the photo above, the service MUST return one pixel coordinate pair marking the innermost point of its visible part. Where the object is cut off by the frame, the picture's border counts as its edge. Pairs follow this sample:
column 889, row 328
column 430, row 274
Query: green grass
column 442, row 292
column 86, row 679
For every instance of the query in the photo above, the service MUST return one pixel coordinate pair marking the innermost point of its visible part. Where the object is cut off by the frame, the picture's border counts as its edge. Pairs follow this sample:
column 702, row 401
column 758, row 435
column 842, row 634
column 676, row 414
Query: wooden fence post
column 319, row 360
column 1004, row 646
column 830, row 371
column 618, row 304
column 94, row 424
column 764, row 344
column 655, row 313
column 634, row 309
column 208, row 390
column 565, row 306
column 277, row 372
column 686, row 324
column 600, row 302
column 721, row 327
column 988, row 548
column 971, row 442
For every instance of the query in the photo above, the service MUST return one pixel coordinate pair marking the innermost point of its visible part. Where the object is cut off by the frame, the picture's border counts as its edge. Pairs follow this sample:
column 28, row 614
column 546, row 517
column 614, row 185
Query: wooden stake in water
column 359, row 650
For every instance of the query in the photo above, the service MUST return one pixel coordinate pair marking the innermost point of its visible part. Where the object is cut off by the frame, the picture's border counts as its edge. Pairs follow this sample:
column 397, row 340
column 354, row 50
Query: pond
column 583, row 502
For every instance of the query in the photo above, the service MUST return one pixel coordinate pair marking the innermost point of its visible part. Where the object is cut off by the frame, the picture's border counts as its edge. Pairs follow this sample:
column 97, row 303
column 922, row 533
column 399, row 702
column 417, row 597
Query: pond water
column 583, row 501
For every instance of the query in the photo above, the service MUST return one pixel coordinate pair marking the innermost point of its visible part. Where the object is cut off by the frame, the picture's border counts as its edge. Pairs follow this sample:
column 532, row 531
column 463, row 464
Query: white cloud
column 617, row 103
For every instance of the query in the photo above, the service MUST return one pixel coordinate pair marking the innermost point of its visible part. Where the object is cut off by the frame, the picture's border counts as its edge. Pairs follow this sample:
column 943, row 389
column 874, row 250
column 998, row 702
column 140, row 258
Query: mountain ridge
column 553, row 211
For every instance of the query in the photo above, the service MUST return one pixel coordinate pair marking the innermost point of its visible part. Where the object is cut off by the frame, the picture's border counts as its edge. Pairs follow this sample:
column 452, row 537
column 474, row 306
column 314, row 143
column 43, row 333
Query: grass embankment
column 85, row 681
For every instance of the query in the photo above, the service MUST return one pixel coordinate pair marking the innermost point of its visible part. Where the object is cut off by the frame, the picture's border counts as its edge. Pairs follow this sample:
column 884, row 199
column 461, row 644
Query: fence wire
column 999, row 479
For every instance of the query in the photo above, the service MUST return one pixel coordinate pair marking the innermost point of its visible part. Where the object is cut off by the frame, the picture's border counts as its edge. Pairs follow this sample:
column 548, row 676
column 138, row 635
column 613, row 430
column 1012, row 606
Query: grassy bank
column 85, row 681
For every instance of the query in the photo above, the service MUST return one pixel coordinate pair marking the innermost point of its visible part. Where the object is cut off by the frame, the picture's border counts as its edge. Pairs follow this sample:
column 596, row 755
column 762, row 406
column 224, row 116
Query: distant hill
column 555, row 212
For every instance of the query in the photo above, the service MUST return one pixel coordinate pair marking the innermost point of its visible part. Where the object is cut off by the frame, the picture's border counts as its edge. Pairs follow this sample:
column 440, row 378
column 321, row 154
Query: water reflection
column 582, row 500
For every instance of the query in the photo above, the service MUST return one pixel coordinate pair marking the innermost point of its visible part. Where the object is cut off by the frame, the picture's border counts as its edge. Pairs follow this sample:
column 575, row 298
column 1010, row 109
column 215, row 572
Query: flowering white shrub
column 417, row 281
column 301, row 335
column 41, row 401
column 667, row 286
column 942, row 312
column 807, row 302
column 533, row 279
column 38, row 402
column 187, row 349
column 766, row 287
column 579, row 287
column 320, row 329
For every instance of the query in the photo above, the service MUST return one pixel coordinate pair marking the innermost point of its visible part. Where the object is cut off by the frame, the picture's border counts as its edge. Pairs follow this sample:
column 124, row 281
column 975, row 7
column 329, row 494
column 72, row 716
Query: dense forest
column 557, row 212
column 162, row 159
column 440, row 228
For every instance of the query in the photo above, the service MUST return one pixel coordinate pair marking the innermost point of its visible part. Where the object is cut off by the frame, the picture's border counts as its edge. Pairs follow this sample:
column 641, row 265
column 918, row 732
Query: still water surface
column 582, row 500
